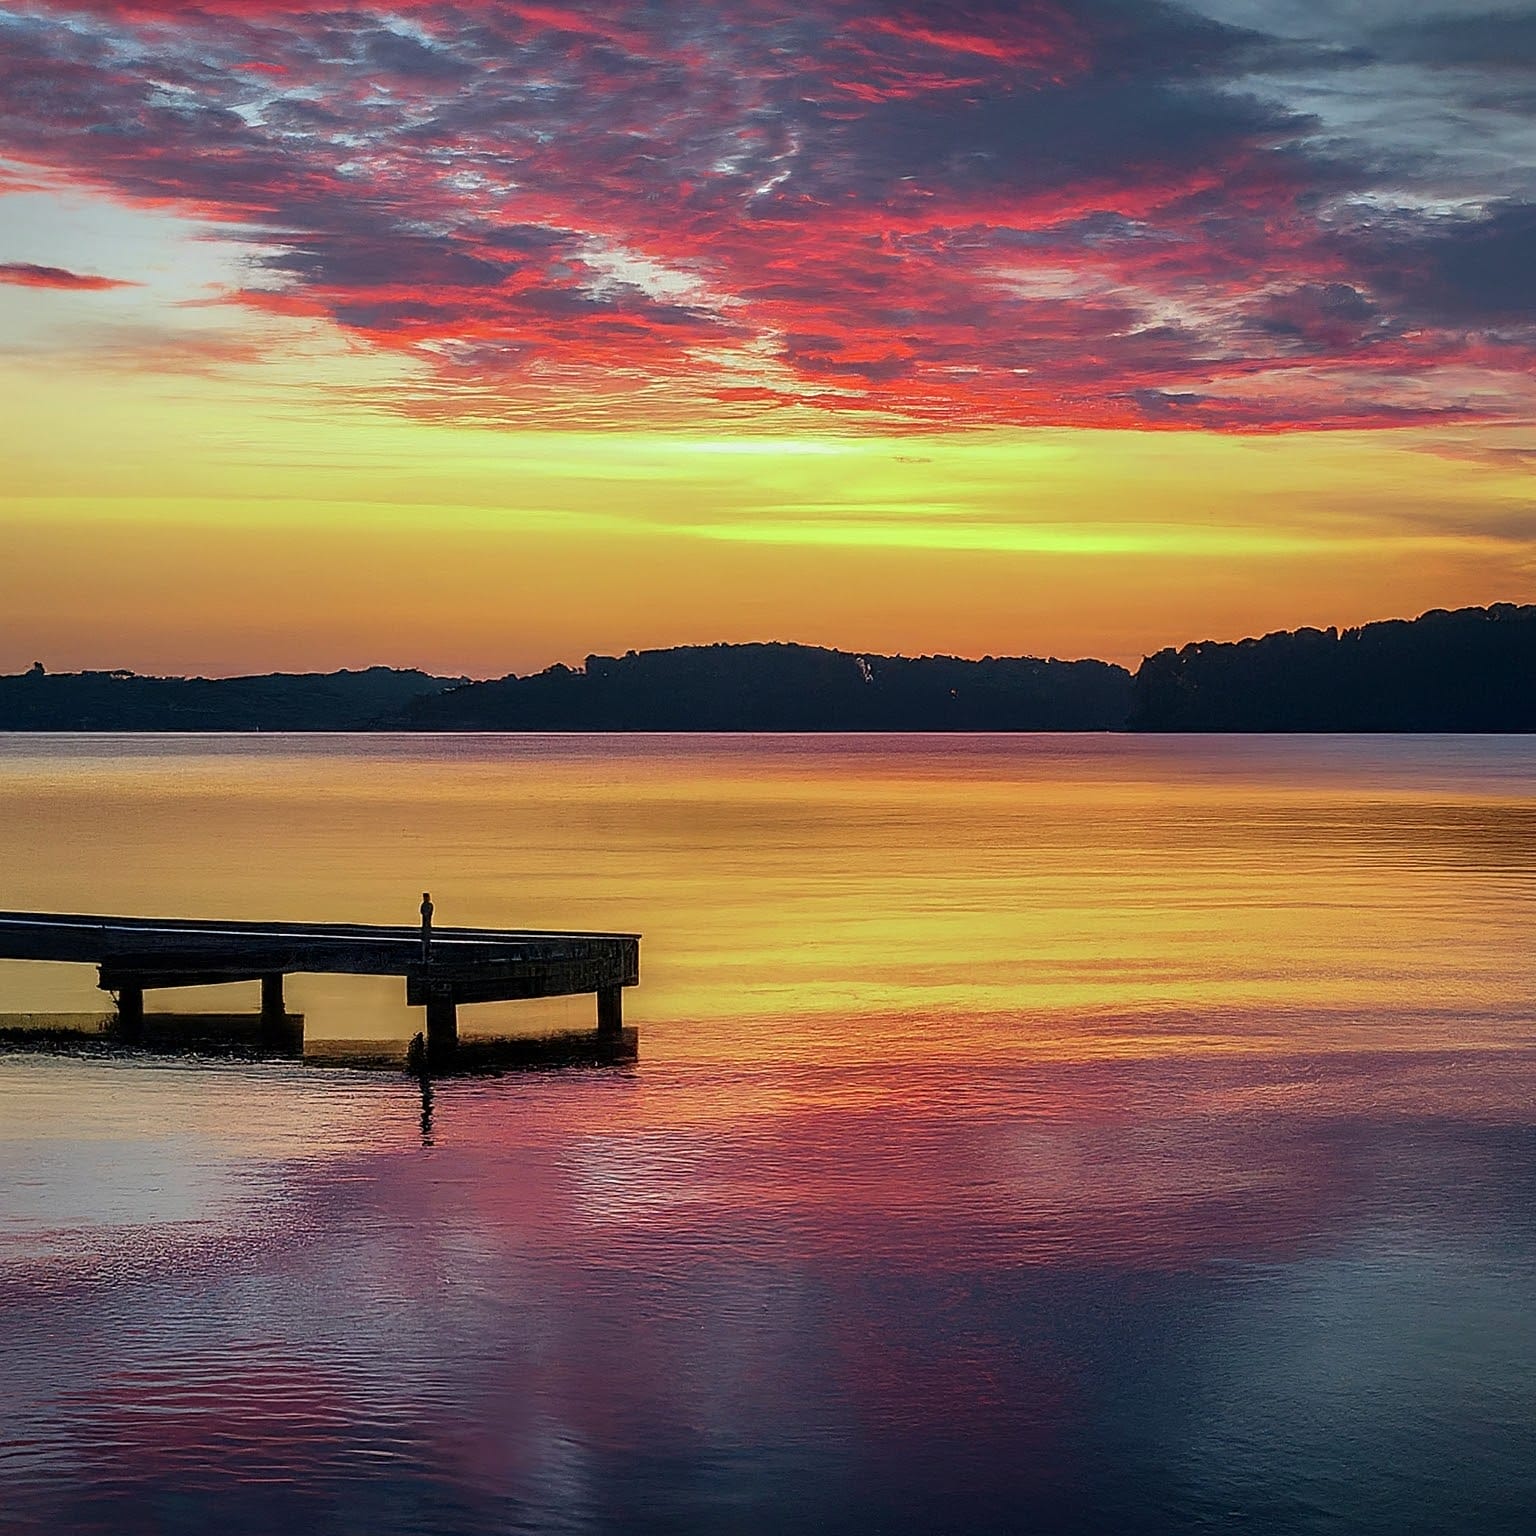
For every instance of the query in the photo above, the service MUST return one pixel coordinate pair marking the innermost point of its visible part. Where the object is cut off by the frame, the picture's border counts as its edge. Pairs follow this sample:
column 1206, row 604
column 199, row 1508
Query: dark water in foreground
column 1029, row 1134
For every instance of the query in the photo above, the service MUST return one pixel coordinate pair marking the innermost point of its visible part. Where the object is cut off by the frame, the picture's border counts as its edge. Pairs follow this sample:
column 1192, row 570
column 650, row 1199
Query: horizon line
column 580, row 668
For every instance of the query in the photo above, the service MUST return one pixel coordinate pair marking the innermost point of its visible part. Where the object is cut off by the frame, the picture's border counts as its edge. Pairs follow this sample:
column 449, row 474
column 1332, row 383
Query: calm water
column 1029, row 1134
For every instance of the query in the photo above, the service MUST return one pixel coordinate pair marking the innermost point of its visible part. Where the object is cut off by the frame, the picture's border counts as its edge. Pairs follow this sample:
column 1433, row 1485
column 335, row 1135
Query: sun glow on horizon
column 228, row 523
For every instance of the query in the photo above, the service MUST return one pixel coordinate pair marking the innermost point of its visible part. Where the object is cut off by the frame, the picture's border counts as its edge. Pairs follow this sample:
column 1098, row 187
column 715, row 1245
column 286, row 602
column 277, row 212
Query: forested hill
column 276, row 701
column 1473, row 669
column 1470, row 670
column 789, row 688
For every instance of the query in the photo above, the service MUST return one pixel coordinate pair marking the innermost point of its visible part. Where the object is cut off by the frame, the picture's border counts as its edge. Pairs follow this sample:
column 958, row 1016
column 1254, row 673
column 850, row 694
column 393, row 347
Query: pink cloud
column 27, row 274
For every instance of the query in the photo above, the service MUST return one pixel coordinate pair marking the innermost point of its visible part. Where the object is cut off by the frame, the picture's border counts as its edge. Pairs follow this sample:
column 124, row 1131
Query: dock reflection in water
column 244, row 1037
column 1053, row 1135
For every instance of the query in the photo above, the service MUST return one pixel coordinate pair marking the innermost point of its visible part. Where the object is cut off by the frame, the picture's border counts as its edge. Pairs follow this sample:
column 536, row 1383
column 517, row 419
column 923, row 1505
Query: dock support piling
column 273, row 1009
column 442, row 1024
column 610, row 1011
column 130, row 1011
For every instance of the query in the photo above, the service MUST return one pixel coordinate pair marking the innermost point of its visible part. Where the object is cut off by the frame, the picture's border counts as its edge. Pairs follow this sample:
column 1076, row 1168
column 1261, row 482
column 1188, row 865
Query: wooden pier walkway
column 442, row 967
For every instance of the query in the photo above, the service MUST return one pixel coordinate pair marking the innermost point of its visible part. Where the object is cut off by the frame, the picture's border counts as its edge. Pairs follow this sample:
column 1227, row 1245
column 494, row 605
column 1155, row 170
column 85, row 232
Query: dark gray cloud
column 1496, row 40
column 1482, row 271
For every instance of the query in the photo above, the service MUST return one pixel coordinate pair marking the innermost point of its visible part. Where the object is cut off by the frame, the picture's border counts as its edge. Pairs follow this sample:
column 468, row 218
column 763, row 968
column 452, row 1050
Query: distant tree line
column 789, row 688
column 1471, row 670
column 123, row 701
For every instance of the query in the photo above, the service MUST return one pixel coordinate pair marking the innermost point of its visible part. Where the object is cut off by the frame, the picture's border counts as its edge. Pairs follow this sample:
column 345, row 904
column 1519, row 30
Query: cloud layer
column 28, row 274
column 1109, row 212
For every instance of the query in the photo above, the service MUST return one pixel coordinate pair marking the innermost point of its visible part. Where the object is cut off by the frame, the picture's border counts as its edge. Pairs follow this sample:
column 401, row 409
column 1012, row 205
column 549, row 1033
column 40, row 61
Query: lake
column 1029, row 1133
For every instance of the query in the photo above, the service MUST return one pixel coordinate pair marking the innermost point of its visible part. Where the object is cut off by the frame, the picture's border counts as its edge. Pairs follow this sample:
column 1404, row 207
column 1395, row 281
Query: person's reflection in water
column 426, row 1110
column 416, row 1065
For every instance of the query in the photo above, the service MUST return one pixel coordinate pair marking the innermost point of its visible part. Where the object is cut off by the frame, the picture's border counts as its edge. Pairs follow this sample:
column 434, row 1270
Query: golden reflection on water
column 1028, row 1134
column 810, row 897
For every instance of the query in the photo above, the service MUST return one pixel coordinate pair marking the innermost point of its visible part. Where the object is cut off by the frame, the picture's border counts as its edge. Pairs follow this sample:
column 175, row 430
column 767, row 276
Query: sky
column 479, row 336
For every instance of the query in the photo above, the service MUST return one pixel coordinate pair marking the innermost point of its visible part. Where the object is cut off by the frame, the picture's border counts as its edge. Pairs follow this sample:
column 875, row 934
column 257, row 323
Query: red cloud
column 26, row 274
column 1036, row 35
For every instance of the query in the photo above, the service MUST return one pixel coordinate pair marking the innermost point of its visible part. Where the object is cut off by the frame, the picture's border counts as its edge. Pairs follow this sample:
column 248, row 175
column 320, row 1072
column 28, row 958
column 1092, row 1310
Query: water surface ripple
column 1029, row 1134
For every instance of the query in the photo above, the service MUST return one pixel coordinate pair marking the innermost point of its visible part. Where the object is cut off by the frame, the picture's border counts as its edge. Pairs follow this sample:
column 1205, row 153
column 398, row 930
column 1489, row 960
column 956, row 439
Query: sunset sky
column 479, row 336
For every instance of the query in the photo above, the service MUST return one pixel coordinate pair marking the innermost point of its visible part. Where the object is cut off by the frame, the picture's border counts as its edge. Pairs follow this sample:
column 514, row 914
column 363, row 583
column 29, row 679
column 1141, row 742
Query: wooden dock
column 442, row 967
